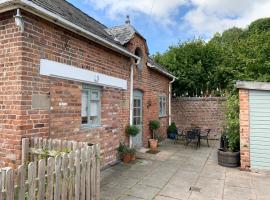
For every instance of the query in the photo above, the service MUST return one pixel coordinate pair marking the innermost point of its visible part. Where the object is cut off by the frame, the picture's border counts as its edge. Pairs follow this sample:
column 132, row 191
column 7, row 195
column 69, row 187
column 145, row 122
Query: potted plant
column 154, row 125
column 172, row 131
column 124, row 152
column 132, row 130
column 229, row 152
column 132, row 152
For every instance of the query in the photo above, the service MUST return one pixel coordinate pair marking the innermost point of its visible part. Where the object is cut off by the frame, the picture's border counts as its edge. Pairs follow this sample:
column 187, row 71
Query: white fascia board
column 68, row 72
column 161, row 71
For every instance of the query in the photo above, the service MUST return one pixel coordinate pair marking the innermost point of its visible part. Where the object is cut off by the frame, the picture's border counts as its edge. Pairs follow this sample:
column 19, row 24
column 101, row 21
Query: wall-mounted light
column 19, row 20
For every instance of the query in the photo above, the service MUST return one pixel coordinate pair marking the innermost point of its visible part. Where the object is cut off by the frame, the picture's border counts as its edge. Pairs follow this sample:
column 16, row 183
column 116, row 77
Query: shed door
column 259, row 102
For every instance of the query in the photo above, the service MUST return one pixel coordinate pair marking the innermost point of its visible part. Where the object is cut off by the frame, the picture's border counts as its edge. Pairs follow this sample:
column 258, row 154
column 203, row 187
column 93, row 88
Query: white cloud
column 210, row 16
column 204, row 17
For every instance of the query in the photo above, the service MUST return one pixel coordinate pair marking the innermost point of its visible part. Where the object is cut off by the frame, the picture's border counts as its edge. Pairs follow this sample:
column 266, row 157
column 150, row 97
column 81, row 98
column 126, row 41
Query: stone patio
column 184, row 174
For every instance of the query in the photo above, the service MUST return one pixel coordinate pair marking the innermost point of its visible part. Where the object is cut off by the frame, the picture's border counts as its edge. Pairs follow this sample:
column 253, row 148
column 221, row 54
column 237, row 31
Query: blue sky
column 167, row 22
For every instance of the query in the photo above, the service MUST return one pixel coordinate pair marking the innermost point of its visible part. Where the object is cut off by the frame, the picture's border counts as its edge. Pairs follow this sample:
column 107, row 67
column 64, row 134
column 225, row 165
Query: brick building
column 65, row 75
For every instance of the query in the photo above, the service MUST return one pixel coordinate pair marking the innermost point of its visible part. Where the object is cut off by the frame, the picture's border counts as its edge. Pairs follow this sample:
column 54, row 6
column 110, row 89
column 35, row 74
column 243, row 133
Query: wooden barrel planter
column 228, row 159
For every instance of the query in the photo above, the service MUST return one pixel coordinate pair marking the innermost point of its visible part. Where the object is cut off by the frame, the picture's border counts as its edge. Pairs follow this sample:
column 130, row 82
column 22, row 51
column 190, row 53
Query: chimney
column 127, row 20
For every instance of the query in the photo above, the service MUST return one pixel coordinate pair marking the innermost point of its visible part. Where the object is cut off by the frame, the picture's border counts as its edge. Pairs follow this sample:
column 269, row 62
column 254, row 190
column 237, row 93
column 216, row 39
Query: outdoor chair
column 205, row 135
column 180, row 135
column 193, row 135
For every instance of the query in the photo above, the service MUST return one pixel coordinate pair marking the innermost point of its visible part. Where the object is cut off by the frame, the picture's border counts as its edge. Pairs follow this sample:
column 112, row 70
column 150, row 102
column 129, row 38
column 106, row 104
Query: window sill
column 163, row 116
column 86, row 127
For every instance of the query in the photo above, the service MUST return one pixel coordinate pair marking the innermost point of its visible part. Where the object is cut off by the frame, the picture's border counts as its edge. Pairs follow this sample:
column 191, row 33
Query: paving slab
column 180, row 191
column 127, row 197
column 142, row 191
column 179, row 173
column 209, row 188
column 238, row 193
column 164, row 198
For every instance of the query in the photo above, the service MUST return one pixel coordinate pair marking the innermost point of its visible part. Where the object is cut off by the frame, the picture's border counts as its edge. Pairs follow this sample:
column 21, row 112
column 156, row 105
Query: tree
column 236, row 54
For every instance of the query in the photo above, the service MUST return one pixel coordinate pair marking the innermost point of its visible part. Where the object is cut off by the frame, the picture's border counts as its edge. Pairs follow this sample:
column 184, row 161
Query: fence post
column 97, row 152
column 25, row 150
column 10, row 184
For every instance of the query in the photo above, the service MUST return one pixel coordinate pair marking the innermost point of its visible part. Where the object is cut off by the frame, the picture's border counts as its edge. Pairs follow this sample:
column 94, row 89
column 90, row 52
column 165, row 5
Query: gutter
column 161, row 71
column 50, row 16
column 170, row 101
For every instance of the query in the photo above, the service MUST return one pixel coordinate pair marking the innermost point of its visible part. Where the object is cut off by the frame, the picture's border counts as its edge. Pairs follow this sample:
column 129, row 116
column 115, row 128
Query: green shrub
column 231, row 135
column 123, row 148
column 132, row 130
column 172, row 128
column 154, row 125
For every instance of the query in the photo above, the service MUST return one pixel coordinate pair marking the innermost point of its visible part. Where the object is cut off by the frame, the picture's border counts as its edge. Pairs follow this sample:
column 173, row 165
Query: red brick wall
column 152, row 84
column 20, row 79
column 11, row 96
column 203, row 112
column 244, row 128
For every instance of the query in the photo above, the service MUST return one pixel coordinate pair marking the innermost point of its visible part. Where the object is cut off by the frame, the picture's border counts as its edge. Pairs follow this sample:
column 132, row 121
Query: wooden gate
column 53, row 170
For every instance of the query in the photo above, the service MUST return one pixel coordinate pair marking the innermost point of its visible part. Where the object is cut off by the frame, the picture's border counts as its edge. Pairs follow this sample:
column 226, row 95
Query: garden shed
column 254, row 125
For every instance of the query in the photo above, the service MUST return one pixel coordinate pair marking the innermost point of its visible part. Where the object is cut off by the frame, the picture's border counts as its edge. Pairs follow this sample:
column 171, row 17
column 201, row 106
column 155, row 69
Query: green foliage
column 154, row 125
column 232, row 134
column 132, row 130
column 132, row 151
column 211, row 68
column 172, row 128
column 123, row 148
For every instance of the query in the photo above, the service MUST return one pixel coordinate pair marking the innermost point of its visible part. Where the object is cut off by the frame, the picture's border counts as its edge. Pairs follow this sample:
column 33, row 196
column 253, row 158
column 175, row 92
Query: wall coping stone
column 199, row 99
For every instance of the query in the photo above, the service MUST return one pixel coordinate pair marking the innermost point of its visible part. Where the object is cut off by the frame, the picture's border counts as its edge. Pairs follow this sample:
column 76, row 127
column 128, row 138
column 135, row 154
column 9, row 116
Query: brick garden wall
column 203, row 112
column 20, row 80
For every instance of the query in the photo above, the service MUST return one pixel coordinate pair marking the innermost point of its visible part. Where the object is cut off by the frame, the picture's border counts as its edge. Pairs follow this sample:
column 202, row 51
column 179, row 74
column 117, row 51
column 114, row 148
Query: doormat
column 152, row 151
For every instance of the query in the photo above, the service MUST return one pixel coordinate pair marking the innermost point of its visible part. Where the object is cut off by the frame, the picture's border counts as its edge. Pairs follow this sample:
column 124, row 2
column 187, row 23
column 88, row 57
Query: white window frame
column 163, row 108
column 90, row 89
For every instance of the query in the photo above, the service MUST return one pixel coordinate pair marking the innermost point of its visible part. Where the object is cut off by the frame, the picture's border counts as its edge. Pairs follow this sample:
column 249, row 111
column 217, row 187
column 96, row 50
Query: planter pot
column 228, row 159
column 133, row 157
column 153, row 144
column 172, row 135
column 126, row 157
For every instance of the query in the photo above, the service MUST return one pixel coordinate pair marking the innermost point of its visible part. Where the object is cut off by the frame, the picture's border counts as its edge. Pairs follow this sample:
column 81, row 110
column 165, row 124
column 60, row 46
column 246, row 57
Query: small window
column 90, row 114
column 162, row 106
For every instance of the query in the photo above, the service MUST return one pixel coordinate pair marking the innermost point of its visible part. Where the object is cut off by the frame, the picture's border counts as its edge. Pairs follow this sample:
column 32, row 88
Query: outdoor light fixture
column 19, row 20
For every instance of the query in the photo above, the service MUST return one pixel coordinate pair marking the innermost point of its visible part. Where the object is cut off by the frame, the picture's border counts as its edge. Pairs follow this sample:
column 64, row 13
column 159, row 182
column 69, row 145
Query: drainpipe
column 170, row 99
column 131, row 97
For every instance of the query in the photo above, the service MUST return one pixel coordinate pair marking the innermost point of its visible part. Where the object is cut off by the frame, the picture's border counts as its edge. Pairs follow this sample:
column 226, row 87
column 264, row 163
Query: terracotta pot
column 126, row 157
column 133, row 156
column 228, row 159
column 153, row 144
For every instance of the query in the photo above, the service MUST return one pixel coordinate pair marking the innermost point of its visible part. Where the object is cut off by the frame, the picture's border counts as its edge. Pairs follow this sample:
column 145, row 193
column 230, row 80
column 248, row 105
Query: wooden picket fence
column 53, row 170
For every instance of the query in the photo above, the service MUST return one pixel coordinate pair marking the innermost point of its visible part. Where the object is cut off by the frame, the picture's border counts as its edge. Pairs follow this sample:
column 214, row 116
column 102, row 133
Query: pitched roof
column 152, row 64
column 69, row 12
column 123, row 34
column 117, row 36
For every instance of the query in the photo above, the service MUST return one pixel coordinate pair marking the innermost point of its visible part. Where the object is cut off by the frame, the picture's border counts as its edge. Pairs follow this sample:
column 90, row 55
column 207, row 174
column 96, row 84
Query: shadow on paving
column 179, row 173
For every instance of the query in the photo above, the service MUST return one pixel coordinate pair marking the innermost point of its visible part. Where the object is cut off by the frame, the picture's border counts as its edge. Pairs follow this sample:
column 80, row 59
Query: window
column 90, row 114
column 162, row 106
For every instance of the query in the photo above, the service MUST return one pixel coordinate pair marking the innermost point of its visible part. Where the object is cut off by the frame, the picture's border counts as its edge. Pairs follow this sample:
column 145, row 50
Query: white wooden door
column 137, row 141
